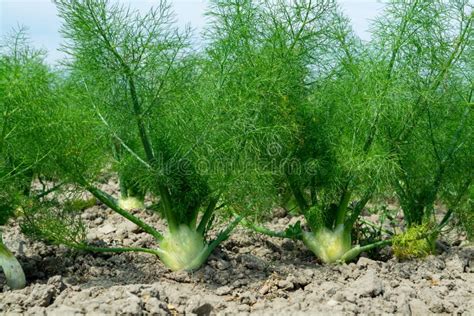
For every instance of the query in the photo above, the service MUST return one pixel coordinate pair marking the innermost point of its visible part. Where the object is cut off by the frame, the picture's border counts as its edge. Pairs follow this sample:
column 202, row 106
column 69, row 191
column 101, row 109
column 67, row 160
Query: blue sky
column 43, row 24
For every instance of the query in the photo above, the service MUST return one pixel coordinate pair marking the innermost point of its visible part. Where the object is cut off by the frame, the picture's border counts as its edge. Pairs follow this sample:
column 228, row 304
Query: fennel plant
column 429, row 124
column 327, row 100
column 24, row 93
column 310, row 99
column 132, row 88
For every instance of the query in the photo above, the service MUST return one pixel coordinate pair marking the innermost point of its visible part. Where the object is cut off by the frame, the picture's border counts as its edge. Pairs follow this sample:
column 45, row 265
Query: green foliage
column 79, row 204
column 428, row 125
column 55, row 222
column 263, row 57
column 26, row 86
column 24, row 93
column 7, row 204
column 138, row 60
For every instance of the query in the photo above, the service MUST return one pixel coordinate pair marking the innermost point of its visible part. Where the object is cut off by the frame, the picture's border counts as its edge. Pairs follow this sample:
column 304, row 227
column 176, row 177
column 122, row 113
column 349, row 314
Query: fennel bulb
column 130, row 203
column 328, row 245
column 183, row 249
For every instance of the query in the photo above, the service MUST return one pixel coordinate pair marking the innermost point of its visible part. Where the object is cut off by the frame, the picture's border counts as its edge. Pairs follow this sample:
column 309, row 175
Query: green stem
column 301, row 201
column 165, row 200
column 269, row 232
column 204, row 254
column 137, row 110
column 312, row 190
column 45, row 193
column 207, row 215
column 358, row 208
column 154, row 207
column 155, row 252
column 3, row 135
column 357, row 250
column 444, row 220
column 398, row 43
column 342, row 209
column 110, row 202
column 145, row 139
column 129, row 188
column 223, row 235
column 303, row 26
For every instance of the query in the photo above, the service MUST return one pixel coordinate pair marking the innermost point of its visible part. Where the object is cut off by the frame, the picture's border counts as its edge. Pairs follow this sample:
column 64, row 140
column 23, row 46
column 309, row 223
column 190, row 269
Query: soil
column 247, row 274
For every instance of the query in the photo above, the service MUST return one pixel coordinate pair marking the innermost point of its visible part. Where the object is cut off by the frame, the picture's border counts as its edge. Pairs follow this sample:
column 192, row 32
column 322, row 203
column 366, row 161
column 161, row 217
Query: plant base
column 131, row 203
column 183, row 249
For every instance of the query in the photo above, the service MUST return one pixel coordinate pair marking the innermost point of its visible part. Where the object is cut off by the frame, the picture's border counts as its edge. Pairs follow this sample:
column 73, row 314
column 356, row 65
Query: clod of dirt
column 368, row 285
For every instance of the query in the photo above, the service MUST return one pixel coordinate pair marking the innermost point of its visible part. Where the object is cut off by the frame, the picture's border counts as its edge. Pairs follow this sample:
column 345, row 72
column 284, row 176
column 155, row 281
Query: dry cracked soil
column 247, row 274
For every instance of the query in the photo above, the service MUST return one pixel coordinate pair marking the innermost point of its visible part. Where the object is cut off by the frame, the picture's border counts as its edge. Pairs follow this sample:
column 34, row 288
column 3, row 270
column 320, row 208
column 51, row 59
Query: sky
column 39, row 16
